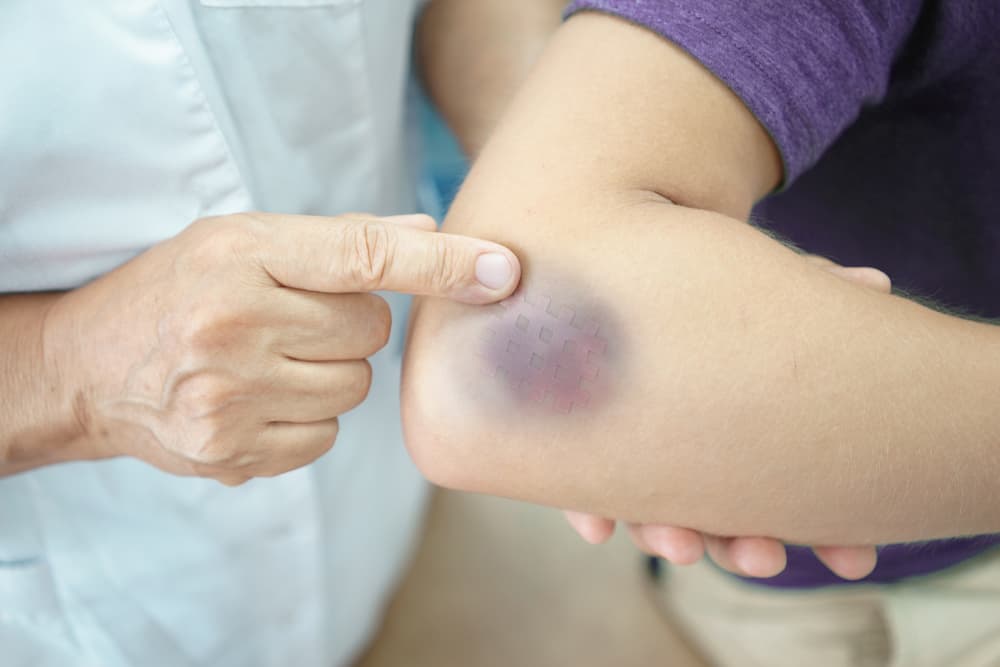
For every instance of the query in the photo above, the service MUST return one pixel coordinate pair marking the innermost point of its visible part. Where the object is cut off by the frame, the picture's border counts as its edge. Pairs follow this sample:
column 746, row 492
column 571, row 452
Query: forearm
column 37, row 421
column 749, row 394
column 743, row 390
column 474, row 54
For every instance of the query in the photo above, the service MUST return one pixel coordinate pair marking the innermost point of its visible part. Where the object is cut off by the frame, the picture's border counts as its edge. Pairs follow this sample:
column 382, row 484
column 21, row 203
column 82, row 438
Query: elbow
column 460, row 428
column 426, row 436
column 433, row 430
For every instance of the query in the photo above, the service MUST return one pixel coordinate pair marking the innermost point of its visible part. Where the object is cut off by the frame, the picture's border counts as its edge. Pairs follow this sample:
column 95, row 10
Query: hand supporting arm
column 731, row 364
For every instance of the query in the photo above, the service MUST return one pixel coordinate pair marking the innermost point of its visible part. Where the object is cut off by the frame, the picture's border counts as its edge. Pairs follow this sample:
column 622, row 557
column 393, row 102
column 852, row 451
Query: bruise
column 548, row 353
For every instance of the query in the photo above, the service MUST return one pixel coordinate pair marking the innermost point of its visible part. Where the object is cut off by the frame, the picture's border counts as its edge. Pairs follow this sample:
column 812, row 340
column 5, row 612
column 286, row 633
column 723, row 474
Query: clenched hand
column 229, row 350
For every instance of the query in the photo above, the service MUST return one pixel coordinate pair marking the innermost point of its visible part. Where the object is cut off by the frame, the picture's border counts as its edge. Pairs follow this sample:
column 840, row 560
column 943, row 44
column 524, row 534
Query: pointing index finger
column 360, row 254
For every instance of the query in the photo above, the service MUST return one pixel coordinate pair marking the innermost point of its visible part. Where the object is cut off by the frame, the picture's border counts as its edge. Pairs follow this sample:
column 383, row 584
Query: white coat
column 122, row 121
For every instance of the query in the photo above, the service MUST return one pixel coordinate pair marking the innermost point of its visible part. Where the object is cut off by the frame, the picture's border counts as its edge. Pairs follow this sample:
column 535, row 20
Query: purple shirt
column 887, row 117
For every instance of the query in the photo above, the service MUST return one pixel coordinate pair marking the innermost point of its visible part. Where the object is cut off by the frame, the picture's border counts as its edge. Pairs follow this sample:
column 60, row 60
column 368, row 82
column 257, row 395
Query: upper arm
column 614, row 106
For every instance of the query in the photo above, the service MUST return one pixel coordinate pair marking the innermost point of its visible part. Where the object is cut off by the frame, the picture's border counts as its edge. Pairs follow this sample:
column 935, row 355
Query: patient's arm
column 715, row 379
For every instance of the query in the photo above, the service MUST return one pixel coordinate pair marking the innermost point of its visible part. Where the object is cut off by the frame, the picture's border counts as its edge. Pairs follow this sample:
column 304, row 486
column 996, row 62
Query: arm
column 227, row 351
column 732, row 363
column 474, row 54
column 38, row 422
column 42, row 419
column 488, row 47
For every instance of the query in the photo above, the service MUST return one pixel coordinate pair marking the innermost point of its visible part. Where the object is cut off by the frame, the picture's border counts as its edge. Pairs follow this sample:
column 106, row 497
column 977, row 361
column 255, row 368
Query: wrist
column 70, row 422
column 37, row 422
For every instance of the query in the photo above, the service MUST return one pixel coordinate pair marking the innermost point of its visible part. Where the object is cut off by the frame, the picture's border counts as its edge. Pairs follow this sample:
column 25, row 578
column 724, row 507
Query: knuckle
column 219, row 325
column 228, row 237
column 444, row 272
column 326, row 439
column 370, row 251
column 381, row 323
column 309, row 450
column 359, row 382
column 210, row 428
column 233, row 480
column 204, row 400
column 211, row 453
column 249, row 225
column 320, row 444
column 214, row 452
column 224, row 247
column 205, row 329
column 204, row 227
column 325, row 445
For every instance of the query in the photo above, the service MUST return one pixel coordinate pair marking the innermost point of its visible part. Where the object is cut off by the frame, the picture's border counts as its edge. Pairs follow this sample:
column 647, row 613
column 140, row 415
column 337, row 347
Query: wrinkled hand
column 230, row 350
column 748, row 556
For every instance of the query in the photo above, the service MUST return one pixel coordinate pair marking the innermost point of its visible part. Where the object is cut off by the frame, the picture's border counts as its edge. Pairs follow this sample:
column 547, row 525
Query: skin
column 747, row 556
column 465, row 45
column 226, row 352
column 761, row 394
column 72, row 411
column 535, row 353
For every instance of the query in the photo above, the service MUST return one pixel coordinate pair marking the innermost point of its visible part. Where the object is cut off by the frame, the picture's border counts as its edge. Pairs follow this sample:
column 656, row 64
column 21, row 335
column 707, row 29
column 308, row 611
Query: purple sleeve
column 804, row 68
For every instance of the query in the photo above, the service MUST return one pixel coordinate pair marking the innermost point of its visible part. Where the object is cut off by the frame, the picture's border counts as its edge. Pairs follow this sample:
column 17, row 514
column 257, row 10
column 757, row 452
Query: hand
column 747, row 556
column 229, row 350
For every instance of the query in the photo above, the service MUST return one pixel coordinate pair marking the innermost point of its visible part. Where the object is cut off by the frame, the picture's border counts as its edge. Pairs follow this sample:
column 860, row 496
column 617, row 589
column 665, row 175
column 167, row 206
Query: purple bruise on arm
column 546, row 353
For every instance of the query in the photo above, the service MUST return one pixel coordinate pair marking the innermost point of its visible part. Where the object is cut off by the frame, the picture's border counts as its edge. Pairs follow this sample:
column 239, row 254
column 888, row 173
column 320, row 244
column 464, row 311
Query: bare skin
column 227, row 351
column 467, row 46
column 746, row 556
column 765, row 396
column 48, row 423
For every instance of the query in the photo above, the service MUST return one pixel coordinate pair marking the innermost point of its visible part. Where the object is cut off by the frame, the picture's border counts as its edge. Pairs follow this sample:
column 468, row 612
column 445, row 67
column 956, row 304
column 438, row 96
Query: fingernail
column 493, row 270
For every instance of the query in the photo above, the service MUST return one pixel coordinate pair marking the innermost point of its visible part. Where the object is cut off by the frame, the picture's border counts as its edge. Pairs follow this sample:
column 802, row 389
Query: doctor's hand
column 746, row 556
column 230, row 350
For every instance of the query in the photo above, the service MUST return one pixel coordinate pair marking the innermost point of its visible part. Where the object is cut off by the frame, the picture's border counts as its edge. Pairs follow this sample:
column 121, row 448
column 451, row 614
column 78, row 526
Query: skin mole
column 548, row 353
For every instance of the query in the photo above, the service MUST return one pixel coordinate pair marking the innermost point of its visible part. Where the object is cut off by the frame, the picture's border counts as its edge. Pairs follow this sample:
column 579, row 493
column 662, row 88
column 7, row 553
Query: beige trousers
column 950, row 619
